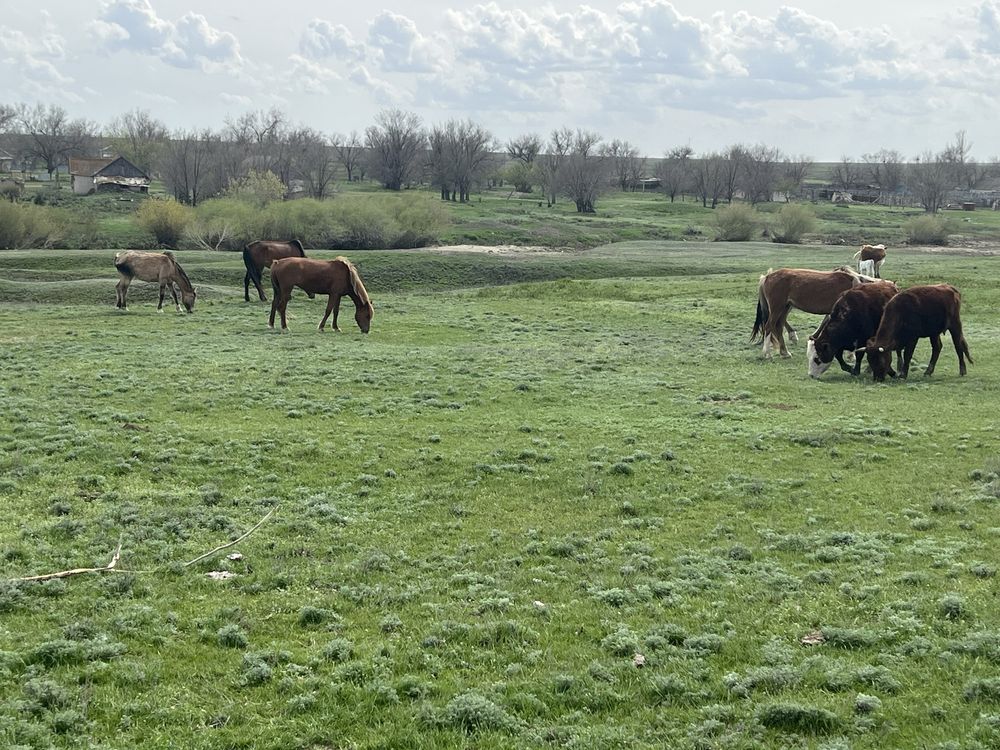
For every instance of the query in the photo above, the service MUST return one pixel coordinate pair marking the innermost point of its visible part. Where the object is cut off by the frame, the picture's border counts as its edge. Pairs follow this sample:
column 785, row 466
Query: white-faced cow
column 874, row 253
column 852, row 321
column 916, row 313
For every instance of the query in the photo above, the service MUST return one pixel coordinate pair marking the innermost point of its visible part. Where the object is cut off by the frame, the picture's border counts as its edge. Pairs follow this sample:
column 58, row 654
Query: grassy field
column 552, row 500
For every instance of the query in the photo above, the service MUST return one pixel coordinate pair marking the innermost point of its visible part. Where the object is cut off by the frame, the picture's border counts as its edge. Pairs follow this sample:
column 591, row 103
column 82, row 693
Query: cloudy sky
column 825, row 79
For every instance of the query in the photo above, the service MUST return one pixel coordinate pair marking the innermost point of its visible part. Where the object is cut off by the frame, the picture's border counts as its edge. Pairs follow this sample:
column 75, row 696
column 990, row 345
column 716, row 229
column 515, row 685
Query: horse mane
column 298, row 244
column 356, row 285
column 180, row 271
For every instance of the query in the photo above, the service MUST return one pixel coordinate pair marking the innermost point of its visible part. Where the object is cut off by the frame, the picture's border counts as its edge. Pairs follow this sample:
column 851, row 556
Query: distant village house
column 98, row 175
column 6, row 161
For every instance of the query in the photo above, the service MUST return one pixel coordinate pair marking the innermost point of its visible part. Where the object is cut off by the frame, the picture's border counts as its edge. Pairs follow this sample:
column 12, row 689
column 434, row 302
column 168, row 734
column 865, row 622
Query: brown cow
column 918, row 312
column 874, row 253
column 852, row 321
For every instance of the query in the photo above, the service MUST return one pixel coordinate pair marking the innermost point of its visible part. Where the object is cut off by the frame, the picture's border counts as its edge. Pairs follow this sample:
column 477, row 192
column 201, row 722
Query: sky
column 827, row 80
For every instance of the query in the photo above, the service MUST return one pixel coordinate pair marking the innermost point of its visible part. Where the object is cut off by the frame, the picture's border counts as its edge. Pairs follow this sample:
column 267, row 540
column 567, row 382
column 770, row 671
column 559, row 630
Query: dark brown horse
column 161, row 268
column 804, row 289
column 259, row 255
column 335, row 277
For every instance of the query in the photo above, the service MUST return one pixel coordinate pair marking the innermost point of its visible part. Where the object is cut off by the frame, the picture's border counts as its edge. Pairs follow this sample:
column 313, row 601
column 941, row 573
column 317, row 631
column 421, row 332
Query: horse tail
column 275, row 273
column 965, row 350
column 859, row 252
column 763, row 313
column 252, row 269
column 297, row 244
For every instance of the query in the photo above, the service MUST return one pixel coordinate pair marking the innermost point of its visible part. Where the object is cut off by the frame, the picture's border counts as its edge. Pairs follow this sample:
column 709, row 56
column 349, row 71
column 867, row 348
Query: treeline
column 398, row 151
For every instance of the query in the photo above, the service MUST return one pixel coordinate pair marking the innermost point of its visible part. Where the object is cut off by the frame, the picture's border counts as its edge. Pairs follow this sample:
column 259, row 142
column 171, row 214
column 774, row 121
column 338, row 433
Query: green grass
column 532, row 469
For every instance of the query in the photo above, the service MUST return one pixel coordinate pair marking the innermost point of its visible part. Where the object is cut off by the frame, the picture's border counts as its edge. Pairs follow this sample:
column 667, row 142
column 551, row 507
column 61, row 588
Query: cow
column 853, row 319
column 871, row 252
column 916, row 313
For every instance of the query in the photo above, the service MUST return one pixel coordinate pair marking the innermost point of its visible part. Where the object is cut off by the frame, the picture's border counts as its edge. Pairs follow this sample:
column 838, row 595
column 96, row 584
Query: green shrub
column 926, row 230
column 26, row 225
column 794, row 221
column 420, row 220
column 365, row 224
column 736, row 223
column 224, row 224
column 166, row 219
column 257, row 188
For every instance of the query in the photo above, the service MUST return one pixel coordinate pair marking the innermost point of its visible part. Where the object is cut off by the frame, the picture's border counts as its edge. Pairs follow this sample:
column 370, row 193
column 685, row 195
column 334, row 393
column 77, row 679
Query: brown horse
column 160, row 268
column 804, row 289
column 335, row 277
column 259, row 255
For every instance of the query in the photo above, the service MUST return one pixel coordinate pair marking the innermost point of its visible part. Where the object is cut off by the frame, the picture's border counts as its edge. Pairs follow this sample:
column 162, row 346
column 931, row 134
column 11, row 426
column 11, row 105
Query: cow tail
column 762, row 313
column 252, row 269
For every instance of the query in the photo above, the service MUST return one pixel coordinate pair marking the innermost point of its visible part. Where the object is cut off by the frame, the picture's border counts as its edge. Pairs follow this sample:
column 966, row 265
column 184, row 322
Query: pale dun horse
column 159, row 268
column 802, row 288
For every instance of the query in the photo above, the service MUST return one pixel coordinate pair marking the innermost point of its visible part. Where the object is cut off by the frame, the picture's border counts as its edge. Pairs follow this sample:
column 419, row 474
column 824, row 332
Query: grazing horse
column 335, row 277
column 259, row 255
column 804, row 289
column 160, row 268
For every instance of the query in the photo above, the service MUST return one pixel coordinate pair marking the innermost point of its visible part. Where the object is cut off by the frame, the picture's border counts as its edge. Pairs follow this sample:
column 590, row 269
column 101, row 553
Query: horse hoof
column 159, row 309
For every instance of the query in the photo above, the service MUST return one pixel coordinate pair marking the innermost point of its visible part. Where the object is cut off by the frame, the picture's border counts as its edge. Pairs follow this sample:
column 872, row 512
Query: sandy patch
column 500, row 249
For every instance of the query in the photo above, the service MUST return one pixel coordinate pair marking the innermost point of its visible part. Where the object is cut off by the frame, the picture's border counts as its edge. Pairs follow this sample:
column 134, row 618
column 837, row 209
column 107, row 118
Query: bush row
column 741, row 222
column 345, row 223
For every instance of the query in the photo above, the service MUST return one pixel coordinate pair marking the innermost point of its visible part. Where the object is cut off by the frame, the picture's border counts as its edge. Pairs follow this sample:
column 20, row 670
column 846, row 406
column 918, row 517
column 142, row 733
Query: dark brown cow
column 852, row 321
column 916, row 313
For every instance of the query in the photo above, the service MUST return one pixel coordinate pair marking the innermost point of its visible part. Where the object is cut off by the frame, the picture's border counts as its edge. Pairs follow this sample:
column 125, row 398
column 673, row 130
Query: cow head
column 879, row 359
column 819, row 355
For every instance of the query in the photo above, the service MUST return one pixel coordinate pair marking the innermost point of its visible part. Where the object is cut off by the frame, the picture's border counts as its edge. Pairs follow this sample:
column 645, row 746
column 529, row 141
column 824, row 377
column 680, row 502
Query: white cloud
column 31, row 61
column 190, row 42
column 322, row 39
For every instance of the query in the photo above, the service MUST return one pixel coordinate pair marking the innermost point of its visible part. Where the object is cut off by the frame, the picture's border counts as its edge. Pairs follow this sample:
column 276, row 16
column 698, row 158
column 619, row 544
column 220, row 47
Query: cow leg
column 935, row 353
column 329, row 309
column 961, row 347
column 907, row 358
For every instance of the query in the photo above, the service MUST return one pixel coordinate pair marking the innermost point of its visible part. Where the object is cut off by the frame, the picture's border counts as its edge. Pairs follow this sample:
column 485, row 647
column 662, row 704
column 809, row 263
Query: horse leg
column 777, row 326
column 935, row 352
column 336, row 311
column 246, row 287
column 329, row 307
column 282, row 306
column 793, row 337
column 173, row 291
column 159, row 306
column 274, row 309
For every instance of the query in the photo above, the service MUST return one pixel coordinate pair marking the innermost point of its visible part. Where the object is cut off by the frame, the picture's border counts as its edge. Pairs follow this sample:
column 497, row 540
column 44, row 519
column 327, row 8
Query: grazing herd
column 865, row 316
column 289, row 269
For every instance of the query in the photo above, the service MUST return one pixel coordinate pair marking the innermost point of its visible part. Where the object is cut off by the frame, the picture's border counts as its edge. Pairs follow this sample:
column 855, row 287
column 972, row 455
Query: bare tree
column 51, row 136
column 459, row 153
column 350, row 152
column 710, row 177
column 258, row 141
column 732, row 164
column 846, row 174
column 675, row 171
column 624, row 163
column 8, row 116
column 584, row 172
column 396, row 144
column 885, row 168
column 187, row 166
column 930, row 178
column 760, row 173
column 139, row 137
column 313, row 161
column 553, row 162
column 965, row 171
column 523, row 151
column 793, row 173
